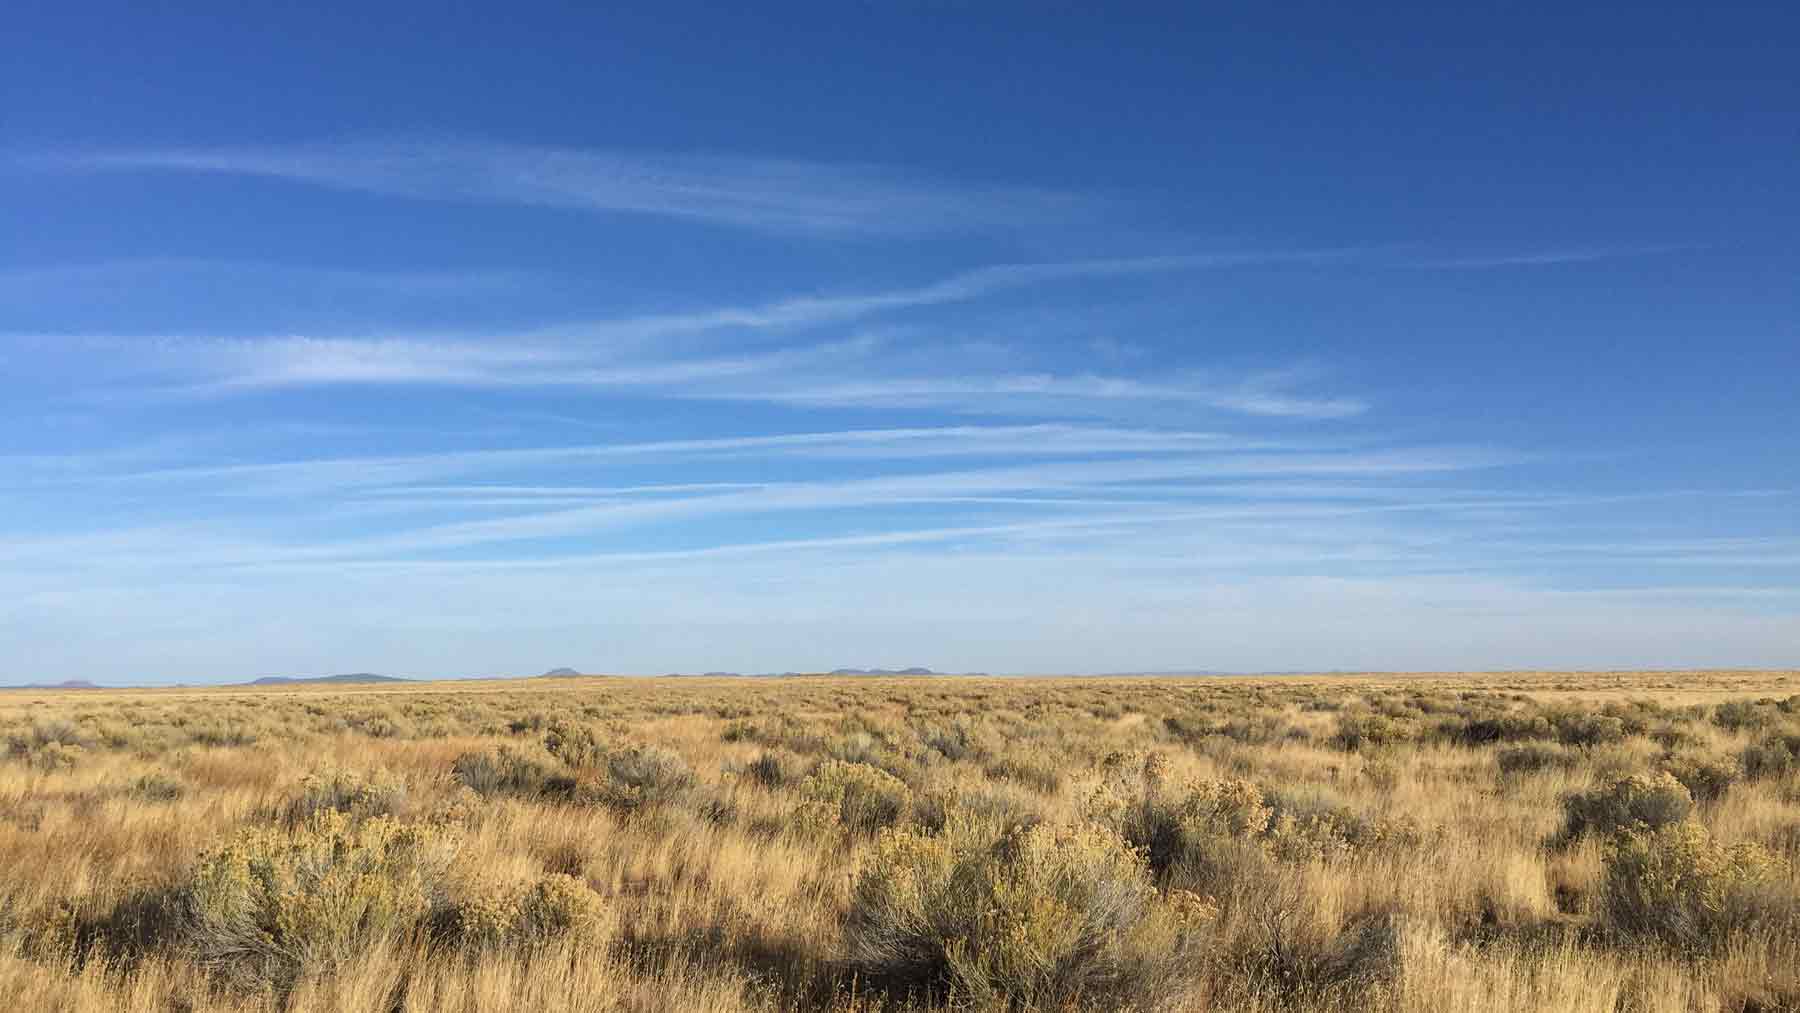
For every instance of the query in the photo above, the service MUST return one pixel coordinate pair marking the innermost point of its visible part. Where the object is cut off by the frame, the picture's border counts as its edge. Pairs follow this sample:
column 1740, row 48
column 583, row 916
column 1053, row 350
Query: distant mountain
column 67, row 684
column 352, row 678
column 882, row 671
column 560, row 673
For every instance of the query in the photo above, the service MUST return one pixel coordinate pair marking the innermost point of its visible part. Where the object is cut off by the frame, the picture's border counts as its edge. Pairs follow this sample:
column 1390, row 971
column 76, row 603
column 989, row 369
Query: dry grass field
column 1508, row 842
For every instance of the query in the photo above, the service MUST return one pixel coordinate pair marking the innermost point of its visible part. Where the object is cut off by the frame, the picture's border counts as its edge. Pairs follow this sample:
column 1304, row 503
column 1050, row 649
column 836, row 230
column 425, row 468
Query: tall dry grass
column 1513, row 842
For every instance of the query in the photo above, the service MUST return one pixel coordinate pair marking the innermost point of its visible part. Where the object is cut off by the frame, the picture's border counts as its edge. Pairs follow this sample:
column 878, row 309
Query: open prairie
column 1514, row 841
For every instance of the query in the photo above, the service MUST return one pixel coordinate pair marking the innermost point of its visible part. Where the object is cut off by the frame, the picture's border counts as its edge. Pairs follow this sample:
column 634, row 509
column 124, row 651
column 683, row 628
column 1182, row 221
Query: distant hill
column 1167, row 672
column 882, row 671
column 1187, row 672
column 67, row 684
column 560, row 673
column 352, row 678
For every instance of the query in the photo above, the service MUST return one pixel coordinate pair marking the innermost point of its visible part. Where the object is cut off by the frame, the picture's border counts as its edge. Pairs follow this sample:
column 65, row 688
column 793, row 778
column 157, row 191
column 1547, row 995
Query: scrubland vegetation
column 1492, row 843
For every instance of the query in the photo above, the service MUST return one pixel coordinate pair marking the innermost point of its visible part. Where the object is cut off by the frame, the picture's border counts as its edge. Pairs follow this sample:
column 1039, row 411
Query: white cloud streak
column 808, row 311
column 283, row 478
column 883, row 491
column 1551, row 258
column 1138, row 475
column 766, row 194
column 627, row 354
column 1049, row 392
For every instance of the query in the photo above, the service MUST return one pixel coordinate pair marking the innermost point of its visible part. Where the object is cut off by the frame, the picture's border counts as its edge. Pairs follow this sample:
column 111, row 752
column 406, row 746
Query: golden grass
column 1300, row 843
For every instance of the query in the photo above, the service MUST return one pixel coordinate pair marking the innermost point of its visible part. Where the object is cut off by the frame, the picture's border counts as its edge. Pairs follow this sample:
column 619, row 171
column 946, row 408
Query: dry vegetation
column 1492, row 843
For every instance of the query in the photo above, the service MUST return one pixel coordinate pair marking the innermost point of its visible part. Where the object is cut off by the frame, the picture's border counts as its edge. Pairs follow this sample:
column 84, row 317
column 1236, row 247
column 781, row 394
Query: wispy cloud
column 888, row 491
column 917, row 489
column 1050, row 393
column 811, row 311
column 859, row 371
column 807, row 311
column 863, row 371
column 446, row 502
column 846, row 374
column 303, row 361
column 282, row 478
column 767, row 194
column 1550, row 257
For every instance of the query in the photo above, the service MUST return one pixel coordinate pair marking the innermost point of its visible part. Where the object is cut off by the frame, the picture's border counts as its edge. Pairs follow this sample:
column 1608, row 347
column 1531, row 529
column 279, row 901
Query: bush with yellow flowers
column 862, row 798
column 528, row 914
column 1023, row 916
column 274, row 904
column 1675, row 885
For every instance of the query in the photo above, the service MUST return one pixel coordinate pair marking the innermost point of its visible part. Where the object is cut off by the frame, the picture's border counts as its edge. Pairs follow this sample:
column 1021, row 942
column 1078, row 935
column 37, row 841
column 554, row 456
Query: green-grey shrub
column 1651, row 802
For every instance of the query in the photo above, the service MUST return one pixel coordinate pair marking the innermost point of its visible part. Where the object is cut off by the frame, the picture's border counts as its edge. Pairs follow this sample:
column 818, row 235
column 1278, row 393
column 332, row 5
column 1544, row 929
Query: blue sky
column 454, row 342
